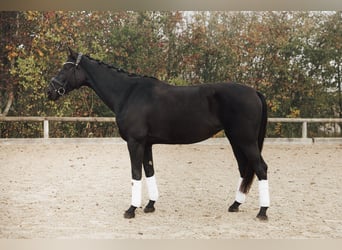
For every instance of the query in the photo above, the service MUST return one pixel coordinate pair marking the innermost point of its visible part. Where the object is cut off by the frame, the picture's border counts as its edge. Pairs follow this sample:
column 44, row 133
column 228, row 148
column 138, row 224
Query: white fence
column 45, row 120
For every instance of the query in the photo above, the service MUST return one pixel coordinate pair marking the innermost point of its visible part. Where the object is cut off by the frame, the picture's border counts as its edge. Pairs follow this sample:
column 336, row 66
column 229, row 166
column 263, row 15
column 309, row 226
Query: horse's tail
column 263, row 124
column 249, row 174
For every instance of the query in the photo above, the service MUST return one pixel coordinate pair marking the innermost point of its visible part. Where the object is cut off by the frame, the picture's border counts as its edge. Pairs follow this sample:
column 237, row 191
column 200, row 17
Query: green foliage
column 294, row 58
column 178, row 82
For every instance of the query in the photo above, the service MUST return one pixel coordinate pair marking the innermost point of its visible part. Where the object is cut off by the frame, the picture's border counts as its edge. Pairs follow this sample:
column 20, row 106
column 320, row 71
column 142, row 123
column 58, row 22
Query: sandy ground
column 80, row 190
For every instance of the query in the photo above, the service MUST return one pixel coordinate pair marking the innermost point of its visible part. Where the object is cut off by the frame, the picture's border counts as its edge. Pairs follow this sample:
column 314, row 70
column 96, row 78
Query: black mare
column 149, row 111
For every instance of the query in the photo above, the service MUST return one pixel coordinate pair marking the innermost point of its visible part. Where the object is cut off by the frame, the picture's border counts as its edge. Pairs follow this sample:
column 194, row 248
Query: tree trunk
column 8, row 105
column 339, row 90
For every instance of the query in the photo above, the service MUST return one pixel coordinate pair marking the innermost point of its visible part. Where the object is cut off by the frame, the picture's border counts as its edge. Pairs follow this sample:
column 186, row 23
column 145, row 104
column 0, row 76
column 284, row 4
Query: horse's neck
column 111, row 86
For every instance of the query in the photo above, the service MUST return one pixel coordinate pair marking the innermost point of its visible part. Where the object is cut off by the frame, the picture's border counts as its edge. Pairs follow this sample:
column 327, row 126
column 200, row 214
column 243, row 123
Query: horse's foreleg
column 136, row 152
column 150, row 179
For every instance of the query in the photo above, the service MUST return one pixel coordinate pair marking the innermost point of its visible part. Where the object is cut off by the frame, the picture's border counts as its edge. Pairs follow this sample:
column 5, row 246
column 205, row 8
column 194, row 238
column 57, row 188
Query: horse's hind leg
column 257, row 163
column 150, row 179
column 264, row 196
column 240, row 197
column 250, row 163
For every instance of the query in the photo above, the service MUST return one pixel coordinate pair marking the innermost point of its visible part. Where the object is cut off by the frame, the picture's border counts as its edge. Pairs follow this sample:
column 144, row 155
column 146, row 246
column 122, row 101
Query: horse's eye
column 68, row 66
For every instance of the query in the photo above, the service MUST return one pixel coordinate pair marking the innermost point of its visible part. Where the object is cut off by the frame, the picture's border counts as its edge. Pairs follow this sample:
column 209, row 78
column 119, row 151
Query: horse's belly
column 185, row 131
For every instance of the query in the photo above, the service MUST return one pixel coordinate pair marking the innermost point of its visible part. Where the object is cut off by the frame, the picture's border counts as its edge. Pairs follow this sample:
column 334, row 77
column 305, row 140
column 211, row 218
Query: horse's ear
column 71, row 52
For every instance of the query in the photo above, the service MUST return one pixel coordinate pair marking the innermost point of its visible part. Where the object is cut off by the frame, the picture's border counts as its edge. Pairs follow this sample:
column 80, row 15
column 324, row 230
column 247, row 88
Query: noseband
column 60, row 89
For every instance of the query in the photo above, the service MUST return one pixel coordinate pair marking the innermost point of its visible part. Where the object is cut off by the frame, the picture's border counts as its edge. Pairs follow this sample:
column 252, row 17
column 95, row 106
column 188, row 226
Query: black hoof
column 149, row 207
column 130, row 213
column 262, row 217
column 234, row 207
column 262, row 214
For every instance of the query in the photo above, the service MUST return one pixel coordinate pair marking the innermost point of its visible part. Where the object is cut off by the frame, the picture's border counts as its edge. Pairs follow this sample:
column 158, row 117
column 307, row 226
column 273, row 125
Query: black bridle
column 60, row 89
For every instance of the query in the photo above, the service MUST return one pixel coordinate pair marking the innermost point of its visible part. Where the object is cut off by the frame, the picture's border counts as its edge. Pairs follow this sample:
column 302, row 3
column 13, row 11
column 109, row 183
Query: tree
column 9, row 29
column 294, row 58
column 327, row 58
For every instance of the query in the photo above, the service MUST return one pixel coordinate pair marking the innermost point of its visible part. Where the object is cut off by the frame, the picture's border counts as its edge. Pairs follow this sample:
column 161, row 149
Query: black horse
column 149, row 111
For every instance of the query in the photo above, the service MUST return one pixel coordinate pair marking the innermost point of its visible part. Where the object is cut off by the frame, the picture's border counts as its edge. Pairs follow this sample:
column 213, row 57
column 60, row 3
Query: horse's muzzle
column 56, row 89
column 51, row 93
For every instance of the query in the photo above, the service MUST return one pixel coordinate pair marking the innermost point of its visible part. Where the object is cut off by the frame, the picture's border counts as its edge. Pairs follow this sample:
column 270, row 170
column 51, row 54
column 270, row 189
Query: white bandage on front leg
column 240, row 197
column 136, row 193
column 264, row 195
column 152, row 188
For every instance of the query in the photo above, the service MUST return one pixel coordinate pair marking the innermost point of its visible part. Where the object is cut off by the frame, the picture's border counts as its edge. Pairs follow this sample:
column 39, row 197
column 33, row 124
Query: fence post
column 305, row 130
column 46, row 129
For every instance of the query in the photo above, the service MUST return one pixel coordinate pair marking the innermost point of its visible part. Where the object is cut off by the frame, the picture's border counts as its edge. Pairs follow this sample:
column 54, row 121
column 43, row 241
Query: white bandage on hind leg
column 240, row 197
column 136, row 193
column 264, row 195
column 152, row 188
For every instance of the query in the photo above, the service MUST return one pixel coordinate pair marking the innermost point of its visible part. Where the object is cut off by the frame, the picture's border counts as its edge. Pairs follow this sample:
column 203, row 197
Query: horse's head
column 70, row 77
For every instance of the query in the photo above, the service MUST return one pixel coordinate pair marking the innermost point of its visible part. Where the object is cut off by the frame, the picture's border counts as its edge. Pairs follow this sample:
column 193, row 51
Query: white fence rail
column 46, row 120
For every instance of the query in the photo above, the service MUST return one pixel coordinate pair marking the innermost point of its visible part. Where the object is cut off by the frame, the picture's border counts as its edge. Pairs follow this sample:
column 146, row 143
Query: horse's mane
column 118, row 69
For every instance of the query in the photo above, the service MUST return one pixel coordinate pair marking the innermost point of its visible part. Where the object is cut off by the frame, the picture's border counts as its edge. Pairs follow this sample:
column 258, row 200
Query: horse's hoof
column 149, row 209
column 129, row 215
column 262, row 217
column 262, row 214
column 233, row 209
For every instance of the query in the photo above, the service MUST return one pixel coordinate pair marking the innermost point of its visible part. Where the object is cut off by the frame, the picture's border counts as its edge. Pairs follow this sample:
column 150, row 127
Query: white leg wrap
column 152, row 188
column 264, row 195
column 136, row 193
column 240, row 197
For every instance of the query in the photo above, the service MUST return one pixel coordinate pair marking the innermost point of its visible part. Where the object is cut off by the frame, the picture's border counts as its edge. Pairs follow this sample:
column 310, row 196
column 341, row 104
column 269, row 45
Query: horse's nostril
column 48, row 91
